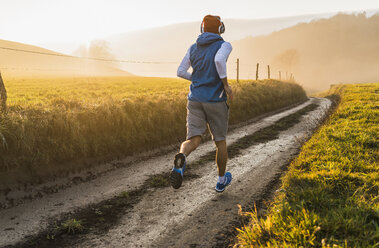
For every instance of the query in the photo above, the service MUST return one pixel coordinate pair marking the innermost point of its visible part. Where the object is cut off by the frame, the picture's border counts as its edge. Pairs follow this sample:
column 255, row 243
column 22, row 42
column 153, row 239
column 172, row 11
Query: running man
column 207, row 98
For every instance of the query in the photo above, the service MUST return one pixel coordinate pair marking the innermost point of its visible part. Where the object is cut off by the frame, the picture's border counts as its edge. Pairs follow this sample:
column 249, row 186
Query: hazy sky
column 43, row 21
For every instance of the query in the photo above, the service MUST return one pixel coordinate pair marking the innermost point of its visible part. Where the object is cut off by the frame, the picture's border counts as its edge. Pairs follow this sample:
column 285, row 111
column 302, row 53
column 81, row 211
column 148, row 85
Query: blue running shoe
column 220, row 187
column 176, row 175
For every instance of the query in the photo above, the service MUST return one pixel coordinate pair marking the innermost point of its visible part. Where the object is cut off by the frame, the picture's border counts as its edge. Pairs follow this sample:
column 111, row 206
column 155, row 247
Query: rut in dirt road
column 148, row 212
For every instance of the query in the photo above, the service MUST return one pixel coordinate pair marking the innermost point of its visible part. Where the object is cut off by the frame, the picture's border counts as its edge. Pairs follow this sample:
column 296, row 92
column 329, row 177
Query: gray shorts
column 215, row 115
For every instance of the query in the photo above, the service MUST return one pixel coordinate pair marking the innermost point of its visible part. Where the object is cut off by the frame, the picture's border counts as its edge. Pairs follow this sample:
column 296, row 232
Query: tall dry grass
column 57, row 125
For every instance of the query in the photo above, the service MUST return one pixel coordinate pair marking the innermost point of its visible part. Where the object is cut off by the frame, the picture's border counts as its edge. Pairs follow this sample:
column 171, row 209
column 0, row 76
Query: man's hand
column 227, row 88
column 229, row 91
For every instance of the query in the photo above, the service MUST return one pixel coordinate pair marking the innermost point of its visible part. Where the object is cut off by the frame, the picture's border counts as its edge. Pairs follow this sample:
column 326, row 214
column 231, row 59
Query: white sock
column 221, row 179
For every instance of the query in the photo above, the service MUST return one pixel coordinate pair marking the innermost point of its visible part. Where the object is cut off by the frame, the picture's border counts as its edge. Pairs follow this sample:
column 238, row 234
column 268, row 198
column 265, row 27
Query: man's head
column 212, row 24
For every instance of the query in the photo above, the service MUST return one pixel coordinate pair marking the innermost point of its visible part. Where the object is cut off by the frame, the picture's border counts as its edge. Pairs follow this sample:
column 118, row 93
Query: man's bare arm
column 227, row 88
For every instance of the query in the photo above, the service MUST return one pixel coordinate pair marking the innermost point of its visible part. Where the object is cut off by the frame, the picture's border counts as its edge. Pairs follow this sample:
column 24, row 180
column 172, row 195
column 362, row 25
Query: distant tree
column 82, row 51
column 99, row 49
column 288, row 59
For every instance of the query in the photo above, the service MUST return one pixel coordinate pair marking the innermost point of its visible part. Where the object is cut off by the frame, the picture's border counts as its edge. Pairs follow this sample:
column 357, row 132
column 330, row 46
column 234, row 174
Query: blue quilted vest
column 206, row 84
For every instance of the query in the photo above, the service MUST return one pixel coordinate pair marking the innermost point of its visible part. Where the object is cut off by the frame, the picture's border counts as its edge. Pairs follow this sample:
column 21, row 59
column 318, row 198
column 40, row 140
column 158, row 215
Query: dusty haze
column 22, row 64
column 343, row 48
column 170, row 43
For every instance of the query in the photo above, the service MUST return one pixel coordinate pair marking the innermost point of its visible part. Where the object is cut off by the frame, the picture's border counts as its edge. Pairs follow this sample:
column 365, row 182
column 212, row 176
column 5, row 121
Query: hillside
column 20, row 64
column 343, row 48
column 169, row 43
column 316, row 40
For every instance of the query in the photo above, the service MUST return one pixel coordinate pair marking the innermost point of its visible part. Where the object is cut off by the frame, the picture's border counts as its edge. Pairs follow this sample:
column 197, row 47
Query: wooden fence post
column 257, row 72
column 268, row 71
column 238, row 70
column 3, row 96
column 280, row 75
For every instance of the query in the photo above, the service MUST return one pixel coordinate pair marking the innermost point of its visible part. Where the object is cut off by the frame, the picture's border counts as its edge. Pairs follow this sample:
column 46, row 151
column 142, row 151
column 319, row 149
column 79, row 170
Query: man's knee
column 221, row 143
column 196, row 140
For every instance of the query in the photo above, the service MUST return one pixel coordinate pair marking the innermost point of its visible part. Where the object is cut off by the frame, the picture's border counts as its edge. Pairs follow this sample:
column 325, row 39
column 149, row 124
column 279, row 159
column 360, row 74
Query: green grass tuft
column 73, row 226
column 158, row 181
column 330, row 195
column 124, row 194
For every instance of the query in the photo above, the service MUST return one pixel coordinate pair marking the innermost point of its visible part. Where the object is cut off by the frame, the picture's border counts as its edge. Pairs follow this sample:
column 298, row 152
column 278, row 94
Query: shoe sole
column 175, row 179
column 220, row 191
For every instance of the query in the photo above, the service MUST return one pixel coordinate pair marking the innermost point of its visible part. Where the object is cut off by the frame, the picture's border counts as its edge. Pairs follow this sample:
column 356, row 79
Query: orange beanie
column 211, row 24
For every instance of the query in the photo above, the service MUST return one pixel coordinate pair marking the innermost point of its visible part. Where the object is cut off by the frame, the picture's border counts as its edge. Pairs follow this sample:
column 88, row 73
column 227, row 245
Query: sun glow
column 72, row 21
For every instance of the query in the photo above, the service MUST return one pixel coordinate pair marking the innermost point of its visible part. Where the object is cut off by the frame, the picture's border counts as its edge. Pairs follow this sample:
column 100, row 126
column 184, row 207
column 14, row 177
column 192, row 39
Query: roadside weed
column 330, row 193
column 73, row 226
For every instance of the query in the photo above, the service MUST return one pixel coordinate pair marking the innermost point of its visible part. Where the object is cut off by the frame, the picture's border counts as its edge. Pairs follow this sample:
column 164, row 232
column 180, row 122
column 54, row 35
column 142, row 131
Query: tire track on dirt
column 144, row 187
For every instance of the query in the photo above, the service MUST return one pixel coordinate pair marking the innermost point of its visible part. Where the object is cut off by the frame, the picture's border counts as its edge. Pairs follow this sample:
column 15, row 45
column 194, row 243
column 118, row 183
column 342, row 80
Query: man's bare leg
column 224, row 178
column 190, row 145
column 221, row 157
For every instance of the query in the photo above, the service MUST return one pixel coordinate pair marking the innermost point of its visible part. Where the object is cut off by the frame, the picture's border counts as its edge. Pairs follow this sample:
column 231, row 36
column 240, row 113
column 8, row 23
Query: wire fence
column 3, row 93
column 36, row 69
column 287, row 77
column 89, row 58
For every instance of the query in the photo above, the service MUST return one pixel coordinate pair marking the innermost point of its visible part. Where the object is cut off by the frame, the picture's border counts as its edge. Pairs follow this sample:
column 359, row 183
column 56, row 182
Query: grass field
column 330, row 195
column 55, row 125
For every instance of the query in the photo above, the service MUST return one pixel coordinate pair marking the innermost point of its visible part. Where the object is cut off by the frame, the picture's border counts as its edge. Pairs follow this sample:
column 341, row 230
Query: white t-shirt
column 220, row 60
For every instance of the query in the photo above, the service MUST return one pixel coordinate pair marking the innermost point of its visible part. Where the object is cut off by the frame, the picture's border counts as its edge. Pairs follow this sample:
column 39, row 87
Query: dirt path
column 154, row 215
